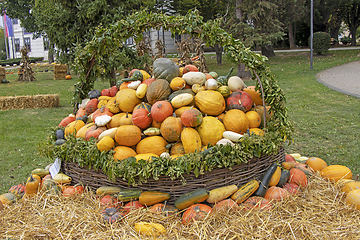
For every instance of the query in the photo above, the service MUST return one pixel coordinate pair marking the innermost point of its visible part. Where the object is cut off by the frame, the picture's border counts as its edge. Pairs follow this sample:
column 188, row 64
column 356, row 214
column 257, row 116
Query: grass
column 326, row 122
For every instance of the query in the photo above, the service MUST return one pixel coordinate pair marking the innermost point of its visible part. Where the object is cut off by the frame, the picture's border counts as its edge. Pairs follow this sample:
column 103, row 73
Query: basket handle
column 262, row 95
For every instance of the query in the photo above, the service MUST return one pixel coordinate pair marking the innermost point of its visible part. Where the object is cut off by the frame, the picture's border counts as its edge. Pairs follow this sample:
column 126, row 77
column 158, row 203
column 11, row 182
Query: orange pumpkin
column 196, row 212
column 353, row 198
column 68, row 77
column 128, row 135
column 235, row 120
column 171, row 129
column 153, row 144
column 317, row 164
column 122, row 152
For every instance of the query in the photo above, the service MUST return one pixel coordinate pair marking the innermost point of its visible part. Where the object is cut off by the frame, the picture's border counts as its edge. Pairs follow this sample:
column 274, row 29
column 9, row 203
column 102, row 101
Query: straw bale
column 24, row 102
column 60, row 68
column 319, row 212
column 59, row 75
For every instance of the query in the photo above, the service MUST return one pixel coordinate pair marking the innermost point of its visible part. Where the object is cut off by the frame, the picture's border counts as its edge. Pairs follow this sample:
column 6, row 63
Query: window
column 17, row 44
column 15, row 21
column 27, row 43
column 46, row 44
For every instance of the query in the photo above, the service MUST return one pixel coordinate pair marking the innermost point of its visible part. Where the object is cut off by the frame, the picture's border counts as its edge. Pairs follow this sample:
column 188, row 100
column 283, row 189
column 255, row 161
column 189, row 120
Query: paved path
column 344, row 78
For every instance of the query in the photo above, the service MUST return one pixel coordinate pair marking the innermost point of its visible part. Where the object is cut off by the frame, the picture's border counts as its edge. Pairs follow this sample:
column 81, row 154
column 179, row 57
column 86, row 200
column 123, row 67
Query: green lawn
column 326, row 122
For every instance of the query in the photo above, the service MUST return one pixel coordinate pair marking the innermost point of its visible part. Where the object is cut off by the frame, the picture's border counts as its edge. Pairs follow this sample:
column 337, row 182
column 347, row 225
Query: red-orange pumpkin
column 256, row 202
column 298, row 177
column 225, row 205
column 276, row 194
column 113, row 91
column 161, row 110
column 100, row 112
column 190, row 68
column 66, row 121
column 191, row 117
column 94, row 132
column 166, row 210
column 133, row 205
column 141, row 118
column 196, row 212
column 239, row 100
column 292, row 188
column 91, row 106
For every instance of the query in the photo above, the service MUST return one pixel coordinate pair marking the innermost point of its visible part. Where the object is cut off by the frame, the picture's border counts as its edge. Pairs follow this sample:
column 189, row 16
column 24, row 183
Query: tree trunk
column 353, row 35
column 267, row 51
column 238, row 12
column 51, row 53
column 334, row 33
column 242, row 73
column 291, row 36
column 113, row 78
column 218, row 50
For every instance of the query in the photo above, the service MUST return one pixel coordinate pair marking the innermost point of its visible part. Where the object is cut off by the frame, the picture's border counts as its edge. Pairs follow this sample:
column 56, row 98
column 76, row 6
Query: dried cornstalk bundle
column 319, row 212
column 160, row 46
column 25, row 72
column 185, row 48
column 199, row 44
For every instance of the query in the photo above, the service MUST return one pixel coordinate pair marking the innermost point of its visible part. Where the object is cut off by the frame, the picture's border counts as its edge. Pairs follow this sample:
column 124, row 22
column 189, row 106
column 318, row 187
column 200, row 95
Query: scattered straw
column 23, row 102
column 319, row 212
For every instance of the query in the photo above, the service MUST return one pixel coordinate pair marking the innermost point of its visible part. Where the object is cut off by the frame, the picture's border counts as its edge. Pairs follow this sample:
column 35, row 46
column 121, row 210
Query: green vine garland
column 108, row 40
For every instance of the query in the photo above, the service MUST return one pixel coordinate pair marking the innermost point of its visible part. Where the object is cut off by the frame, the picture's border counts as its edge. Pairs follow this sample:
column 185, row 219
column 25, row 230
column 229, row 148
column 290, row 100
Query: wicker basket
column 216, row 178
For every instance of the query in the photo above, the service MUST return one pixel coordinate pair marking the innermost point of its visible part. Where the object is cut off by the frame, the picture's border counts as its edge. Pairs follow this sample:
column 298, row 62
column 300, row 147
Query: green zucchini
column 245, row 191
column 188, row 199
column 265, row 180
column 127, row 195
column 285, row 175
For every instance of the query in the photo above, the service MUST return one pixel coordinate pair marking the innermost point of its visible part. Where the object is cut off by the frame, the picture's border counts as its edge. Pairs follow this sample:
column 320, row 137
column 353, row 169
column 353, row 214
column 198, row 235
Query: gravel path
column 344, row 78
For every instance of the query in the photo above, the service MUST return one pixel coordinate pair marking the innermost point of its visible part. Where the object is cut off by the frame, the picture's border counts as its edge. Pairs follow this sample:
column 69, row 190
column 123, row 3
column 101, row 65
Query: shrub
column 345, row 40
column 321, row 42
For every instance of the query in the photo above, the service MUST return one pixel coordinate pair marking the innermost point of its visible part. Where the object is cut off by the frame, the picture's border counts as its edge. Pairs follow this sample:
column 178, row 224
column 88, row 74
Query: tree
column 259, row 25
column 349, row 10
column 290, row 12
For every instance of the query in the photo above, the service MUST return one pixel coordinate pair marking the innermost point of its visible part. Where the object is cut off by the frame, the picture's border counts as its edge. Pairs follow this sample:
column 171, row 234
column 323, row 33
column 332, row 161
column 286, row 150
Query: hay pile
column 60, row 71
column 318, row 213
column 36, row 101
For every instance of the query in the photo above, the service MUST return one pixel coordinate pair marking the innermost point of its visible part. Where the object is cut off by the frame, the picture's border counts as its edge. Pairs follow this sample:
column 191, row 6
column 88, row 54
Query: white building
column 19, row 38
